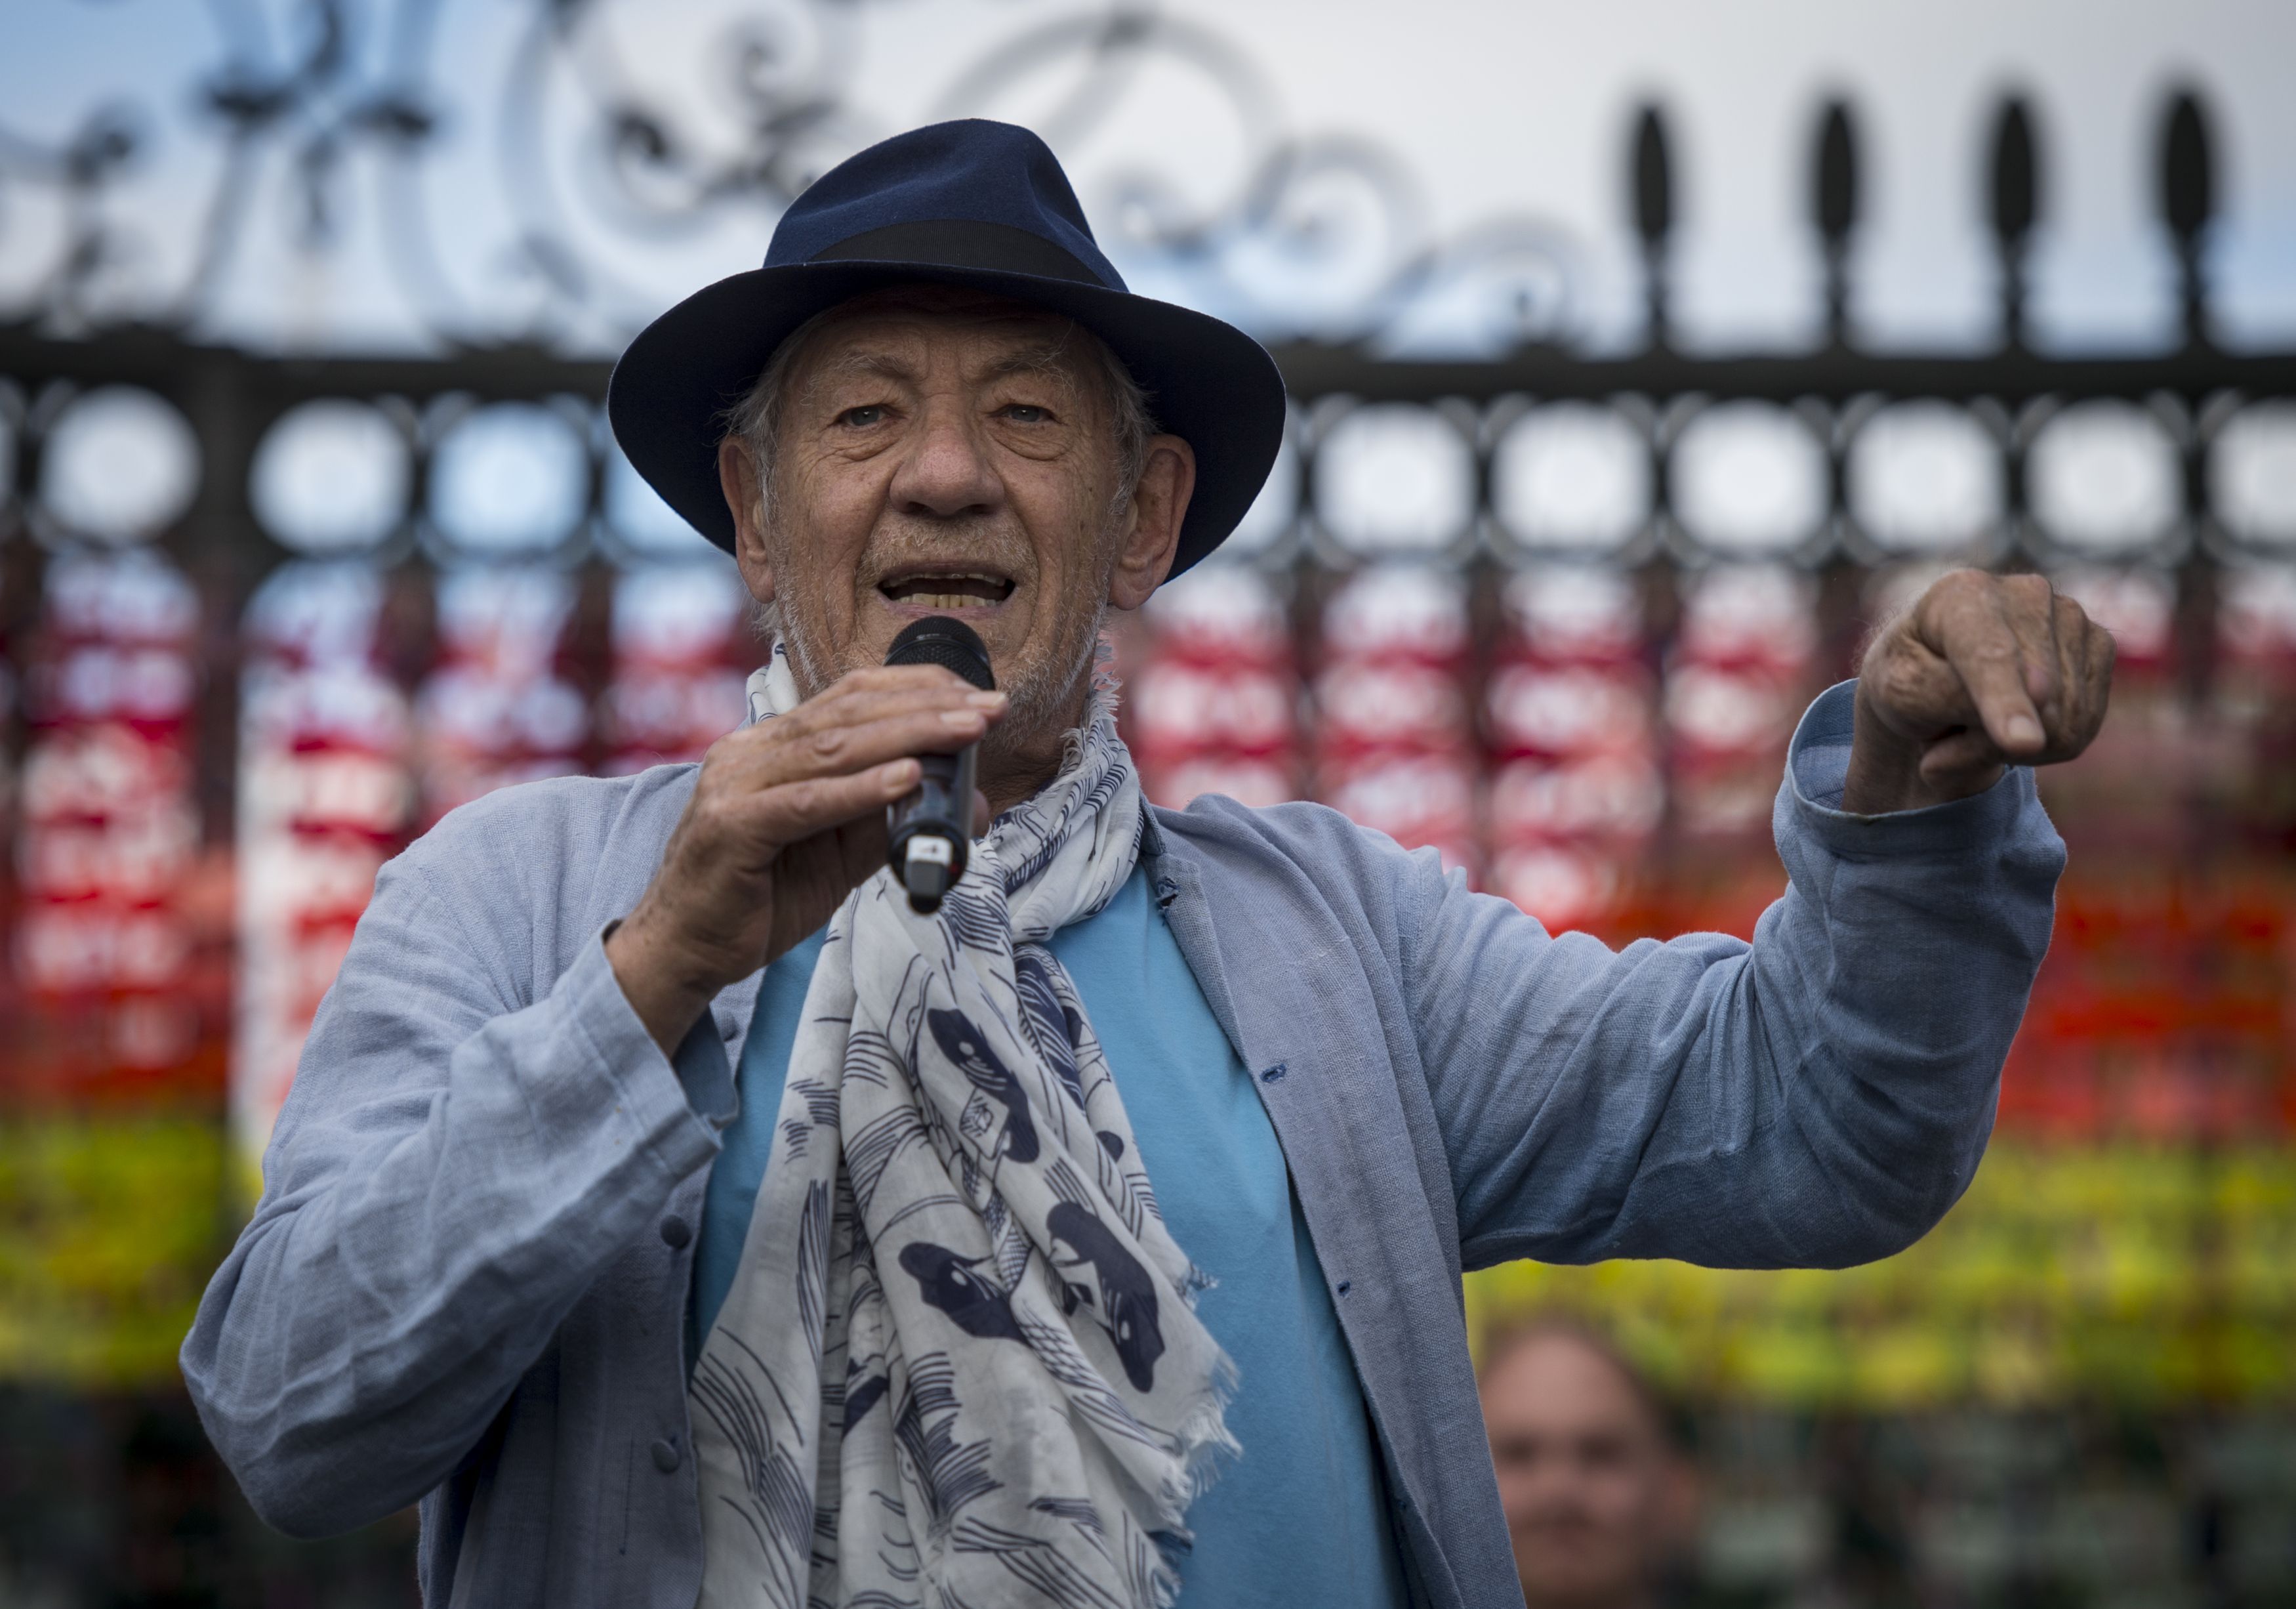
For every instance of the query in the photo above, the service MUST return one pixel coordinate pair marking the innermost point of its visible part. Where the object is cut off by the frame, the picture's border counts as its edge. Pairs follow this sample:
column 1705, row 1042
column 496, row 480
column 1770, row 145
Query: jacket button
column 675, row 1231
column 665, row 1457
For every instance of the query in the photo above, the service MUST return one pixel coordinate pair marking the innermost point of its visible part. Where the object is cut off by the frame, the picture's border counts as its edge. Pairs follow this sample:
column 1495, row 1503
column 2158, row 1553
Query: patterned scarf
column 960, row 1363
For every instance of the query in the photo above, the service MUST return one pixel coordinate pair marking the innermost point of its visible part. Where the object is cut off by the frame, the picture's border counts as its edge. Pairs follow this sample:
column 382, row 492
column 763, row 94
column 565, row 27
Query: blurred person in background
column 680, row 1216
column 1601, row 1501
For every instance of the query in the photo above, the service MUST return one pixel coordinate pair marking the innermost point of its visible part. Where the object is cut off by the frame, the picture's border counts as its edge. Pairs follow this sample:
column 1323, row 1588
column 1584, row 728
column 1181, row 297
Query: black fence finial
column 1834, row 208
column 2016, row 205
column 1654, row 187
column 2188, row 201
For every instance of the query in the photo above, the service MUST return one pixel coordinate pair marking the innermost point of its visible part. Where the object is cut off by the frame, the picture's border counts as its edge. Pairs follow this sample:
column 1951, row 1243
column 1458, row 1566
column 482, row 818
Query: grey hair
column 755, row 421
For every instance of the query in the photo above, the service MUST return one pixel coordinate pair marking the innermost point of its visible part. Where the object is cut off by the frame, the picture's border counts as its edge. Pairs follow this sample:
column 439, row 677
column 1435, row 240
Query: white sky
column 1494, row 109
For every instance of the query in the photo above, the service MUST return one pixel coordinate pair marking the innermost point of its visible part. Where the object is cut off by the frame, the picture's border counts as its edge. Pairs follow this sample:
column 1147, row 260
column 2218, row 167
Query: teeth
column 918, row 590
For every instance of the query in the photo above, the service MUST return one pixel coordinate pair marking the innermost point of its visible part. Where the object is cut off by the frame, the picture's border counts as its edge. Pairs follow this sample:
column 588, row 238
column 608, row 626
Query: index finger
column 898, row 678
column 883, row 690
column 1972, row 631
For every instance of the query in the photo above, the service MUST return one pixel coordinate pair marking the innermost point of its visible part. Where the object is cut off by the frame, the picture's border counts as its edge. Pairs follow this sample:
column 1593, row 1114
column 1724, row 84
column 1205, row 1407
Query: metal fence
column 1838, row 453
column 265, row 616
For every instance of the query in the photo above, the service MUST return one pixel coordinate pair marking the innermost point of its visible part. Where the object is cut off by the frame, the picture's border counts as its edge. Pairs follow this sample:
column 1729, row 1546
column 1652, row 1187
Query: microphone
column 930, row 829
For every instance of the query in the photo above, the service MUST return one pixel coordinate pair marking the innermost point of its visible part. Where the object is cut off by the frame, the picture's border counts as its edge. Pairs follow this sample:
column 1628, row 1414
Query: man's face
column 1595, row 1499
column 956, row 457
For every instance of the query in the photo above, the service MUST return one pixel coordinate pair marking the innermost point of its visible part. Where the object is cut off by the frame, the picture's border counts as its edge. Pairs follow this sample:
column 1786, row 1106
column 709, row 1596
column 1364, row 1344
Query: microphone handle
column 931, row 829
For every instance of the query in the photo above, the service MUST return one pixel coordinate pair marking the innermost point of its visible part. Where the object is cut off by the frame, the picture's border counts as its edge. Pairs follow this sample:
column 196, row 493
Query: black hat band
column 958, row 242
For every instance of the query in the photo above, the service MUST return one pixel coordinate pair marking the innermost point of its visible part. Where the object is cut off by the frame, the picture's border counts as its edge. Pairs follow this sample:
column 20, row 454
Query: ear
column 1159, row 503
column 737, row 478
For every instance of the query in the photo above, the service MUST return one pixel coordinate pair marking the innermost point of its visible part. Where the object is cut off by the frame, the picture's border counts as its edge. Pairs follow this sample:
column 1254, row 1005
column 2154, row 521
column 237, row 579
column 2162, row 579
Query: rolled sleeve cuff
column 1817, row 768
column 676, row 1110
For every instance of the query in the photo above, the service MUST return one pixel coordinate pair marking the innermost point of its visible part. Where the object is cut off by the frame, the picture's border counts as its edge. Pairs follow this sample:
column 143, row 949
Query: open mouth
column 951, row 590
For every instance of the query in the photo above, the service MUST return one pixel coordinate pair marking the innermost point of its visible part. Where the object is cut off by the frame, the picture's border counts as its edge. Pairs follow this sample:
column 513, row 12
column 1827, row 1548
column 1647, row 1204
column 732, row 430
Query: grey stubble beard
column 1055, row 699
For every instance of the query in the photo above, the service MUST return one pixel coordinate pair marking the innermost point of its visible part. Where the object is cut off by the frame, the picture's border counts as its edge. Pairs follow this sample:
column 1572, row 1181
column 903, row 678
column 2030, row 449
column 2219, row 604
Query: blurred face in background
column 1597, row 1499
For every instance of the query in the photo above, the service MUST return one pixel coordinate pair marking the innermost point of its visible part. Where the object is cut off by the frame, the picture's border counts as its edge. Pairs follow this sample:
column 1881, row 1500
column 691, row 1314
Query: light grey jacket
column 466, row 1280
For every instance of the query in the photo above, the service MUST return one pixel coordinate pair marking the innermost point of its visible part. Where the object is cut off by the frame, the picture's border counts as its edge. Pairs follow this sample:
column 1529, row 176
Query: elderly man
column 680, row 1214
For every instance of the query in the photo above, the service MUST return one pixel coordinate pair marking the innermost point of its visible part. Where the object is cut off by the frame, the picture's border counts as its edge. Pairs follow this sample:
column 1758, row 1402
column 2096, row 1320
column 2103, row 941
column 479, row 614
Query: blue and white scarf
column 960, row 1363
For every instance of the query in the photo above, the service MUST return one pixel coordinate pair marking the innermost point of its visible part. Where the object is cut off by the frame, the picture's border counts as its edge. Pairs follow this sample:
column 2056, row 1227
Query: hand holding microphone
column 790, row 815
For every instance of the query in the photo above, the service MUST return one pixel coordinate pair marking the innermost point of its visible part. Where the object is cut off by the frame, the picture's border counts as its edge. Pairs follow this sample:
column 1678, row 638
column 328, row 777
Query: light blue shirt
column 1299, row 1518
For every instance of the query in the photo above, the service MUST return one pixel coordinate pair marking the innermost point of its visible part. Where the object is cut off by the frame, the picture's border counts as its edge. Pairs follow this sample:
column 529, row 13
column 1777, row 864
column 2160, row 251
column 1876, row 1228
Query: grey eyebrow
column 881, row 364
column 847, row 365
column 1051, row 358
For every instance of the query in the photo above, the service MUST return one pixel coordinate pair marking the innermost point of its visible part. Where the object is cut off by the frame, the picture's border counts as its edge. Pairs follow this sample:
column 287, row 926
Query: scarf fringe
column 1208, row 1452
column 1211, row 1449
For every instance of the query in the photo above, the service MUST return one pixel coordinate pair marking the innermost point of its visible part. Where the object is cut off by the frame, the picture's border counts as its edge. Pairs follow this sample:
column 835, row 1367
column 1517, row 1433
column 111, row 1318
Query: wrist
column 1885, row 775
column 667, row 991
column 1879, row 782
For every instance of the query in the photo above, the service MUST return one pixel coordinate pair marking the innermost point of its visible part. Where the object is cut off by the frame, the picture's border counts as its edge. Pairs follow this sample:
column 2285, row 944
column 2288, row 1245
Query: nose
column 945, row 474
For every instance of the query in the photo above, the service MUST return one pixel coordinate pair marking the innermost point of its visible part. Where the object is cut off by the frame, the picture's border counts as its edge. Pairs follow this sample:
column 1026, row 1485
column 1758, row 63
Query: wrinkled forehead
column 905, row 331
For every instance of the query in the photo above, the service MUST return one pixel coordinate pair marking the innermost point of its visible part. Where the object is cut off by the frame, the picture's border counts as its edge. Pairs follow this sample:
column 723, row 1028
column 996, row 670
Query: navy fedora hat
column 971, row 203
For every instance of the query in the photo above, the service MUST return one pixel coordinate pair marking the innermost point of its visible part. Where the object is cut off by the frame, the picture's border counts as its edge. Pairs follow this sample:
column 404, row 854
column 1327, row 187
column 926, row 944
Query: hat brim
column 1207, row 382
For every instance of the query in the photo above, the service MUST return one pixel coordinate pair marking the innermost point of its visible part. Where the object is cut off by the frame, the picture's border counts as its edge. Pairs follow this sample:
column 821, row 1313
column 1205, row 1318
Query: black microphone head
column 950, row 643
